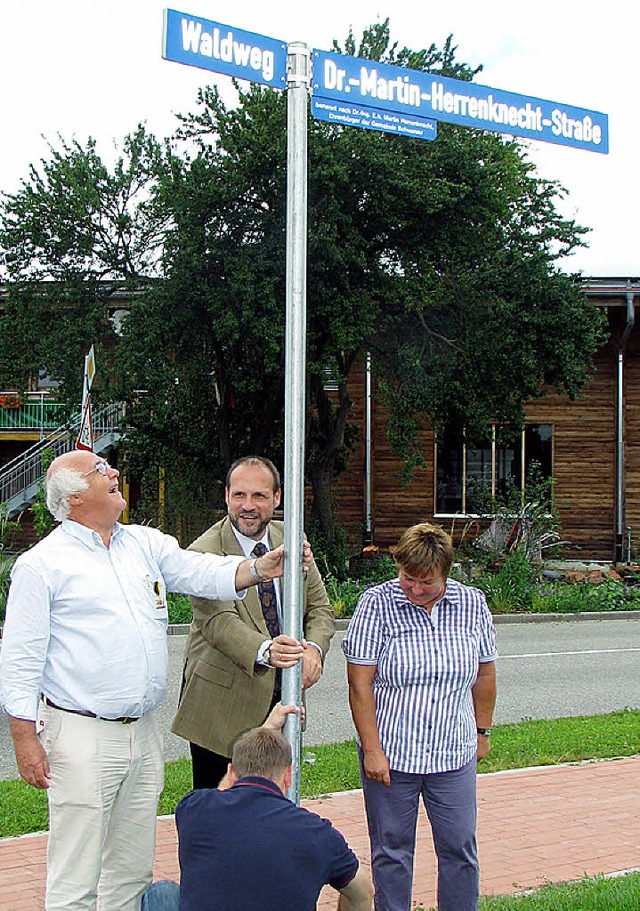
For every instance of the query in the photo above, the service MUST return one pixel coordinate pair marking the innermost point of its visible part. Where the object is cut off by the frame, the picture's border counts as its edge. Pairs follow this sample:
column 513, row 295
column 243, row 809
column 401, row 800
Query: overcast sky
column 83, row 68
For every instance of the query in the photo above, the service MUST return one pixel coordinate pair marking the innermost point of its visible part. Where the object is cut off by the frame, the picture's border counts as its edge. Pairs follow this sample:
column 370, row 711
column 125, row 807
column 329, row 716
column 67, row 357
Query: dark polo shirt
column 251, row 848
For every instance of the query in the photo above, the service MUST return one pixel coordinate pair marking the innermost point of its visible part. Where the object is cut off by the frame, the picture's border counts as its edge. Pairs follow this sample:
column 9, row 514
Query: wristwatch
column 486, row 732
column 254, row 570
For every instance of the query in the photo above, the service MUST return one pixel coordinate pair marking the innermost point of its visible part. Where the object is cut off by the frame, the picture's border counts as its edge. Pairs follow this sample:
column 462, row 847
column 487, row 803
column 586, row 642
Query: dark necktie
column 267, row 596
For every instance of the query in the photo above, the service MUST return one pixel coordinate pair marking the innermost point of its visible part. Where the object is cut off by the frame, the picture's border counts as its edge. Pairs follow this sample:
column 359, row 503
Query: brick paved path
column 534, row 826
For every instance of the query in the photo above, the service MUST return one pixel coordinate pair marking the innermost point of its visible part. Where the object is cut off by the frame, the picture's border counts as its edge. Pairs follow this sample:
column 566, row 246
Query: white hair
column 62, row 484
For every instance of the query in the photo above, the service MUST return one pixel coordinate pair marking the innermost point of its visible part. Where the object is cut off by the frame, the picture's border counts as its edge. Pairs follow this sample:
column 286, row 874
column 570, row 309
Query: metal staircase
column 20, row 478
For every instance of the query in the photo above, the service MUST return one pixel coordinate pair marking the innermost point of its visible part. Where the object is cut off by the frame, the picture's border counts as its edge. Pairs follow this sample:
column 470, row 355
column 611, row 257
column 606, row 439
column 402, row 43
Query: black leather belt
column 123, row 720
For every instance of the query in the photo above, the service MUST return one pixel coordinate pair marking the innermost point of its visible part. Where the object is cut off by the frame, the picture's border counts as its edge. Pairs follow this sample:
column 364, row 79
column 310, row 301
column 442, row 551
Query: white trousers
column 106, row 778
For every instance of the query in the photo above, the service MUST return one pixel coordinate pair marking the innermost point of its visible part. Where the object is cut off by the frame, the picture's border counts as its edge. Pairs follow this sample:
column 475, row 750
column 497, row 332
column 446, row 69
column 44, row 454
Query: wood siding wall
column 632, row 440
column 584, row 460
column 584, row 464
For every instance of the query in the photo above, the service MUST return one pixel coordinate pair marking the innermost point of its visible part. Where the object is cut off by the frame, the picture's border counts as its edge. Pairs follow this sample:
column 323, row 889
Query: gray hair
column 61, row 484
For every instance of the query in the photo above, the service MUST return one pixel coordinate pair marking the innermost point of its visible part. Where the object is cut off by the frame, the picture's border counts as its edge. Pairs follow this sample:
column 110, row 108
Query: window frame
column 463, row 513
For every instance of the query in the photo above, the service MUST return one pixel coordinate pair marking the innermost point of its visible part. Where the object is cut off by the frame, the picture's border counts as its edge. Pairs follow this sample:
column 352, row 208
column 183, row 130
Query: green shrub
column 5, row 571
column 42, row 518
column 343, row 596
column 564, row 598
column 332, row 557
column 516, row 586
column 7, row 527
column 512, row 587
column 377, row 569
column 179, row 608
column 344, row 593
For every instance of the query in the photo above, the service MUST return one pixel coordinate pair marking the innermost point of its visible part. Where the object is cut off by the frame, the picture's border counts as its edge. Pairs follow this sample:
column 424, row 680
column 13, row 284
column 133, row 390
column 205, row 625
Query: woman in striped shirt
column 422, row 687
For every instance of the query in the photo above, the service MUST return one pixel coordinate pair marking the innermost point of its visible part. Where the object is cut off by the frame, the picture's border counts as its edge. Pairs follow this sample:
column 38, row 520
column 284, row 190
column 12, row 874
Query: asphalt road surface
column 545, row 670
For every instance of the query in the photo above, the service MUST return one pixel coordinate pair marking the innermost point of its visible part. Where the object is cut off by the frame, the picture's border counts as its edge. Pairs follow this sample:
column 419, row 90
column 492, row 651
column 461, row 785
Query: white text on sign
column 225, row 48
column 387, row 87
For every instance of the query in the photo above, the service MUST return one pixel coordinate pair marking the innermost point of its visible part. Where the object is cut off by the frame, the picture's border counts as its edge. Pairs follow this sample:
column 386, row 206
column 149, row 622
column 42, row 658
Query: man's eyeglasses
column 102, row 467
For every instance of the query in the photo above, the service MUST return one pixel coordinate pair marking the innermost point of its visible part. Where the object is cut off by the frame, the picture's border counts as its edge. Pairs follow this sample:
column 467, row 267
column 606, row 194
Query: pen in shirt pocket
column 157, row 586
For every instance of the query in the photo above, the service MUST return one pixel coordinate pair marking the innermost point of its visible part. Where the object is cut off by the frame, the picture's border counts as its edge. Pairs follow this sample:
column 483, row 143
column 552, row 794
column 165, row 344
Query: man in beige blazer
column 231, row 660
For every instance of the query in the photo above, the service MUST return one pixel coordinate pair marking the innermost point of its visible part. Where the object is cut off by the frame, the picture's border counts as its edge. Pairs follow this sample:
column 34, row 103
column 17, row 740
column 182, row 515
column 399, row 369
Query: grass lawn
column 528, row 743
column 514, row 746
column 621, row 893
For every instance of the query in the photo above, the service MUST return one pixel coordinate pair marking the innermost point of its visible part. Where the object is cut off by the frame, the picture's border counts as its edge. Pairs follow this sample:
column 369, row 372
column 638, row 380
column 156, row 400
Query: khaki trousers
column 106, row 778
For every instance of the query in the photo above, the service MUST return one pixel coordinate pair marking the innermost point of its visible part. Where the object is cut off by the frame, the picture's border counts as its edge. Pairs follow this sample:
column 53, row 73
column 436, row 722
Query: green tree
column 206, row 344
column 42, row 519
column 439, row 258
column 74, row 233
column 7, row 529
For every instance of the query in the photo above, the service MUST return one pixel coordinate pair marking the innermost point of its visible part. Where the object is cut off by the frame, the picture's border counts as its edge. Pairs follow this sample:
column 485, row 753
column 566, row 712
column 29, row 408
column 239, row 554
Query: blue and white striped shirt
column 425, row 668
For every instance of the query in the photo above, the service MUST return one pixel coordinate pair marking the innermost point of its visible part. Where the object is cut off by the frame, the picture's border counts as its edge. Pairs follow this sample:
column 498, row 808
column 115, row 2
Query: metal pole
column 368, row 527
column 620, row 429
column 619, row 456
column 298, row 78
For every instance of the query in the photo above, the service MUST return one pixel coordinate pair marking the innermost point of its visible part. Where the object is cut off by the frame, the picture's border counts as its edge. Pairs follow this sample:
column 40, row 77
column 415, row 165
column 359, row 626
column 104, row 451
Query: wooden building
column 591, row 447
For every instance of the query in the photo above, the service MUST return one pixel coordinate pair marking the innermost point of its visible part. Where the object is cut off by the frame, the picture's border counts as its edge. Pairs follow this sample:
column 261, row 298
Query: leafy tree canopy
column 75, row 232
column 438, row 258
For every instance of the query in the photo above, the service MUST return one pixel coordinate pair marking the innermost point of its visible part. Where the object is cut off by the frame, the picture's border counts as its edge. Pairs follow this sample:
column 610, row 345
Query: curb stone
column 181, row 629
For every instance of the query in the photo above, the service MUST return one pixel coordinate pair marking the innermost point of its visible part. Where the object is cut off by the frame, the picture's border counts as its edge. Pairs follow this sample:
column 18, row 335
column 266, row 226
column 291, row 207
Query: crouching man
column 245, row 846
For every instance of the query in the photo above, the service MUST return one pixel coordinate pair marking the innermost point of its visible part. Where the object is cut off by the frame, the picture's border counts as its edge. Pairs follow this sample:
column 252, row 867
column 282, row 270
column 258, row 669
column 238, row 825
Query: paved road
column 546, row 670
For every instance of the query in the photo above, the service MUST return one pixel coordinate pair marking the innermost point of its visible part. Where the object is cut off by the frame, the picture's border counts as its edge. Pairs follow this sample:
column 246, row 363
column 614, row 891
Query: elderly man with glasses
column 83, row 669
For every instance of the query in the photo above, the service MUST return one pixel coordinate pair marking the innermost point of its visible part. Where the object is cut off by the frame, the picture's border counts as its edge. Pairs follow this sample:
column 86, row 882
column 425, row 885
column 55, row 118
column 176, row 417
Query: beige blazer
column 225, row 693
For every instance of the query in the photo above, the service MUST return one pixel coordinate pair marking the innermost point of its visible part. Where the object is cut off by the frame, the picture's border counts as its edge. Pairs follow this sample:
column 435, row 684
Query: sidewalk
column 534, row 826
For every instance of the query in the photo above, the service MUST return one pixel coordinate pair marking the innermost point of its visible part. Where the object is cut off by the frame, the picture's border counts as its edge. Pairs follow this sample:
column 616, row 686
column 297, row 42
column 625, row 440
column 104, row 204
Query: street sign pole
column 376, row 96
column 298, row 79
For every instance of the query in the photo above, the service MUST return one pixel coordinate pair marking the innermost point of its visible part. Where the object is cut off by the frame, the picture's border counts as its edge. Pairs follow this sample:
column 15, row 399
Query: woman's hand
column 376, row 767
column 484, row 746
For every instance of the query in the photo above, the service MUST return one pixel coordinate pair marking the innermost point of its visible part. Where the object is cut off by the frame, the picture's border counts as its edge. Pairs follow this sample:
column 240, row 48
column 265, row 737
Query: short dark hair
column 262, row 752
column 424, row 549
column 255, row 460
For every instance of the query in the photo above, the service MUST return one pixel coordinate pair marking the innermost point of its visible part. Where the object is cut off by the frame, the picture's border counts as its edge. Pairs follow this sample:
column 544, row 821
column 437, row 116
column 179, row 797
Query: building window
column 469, row 480
column 43, row 382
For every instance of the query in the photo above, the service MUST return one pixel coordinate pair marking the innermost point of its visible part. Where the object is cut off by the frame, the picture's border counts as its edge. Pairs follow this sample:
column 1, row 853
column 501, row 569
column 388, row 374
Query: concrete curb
column 562, row 618
column 181, row 629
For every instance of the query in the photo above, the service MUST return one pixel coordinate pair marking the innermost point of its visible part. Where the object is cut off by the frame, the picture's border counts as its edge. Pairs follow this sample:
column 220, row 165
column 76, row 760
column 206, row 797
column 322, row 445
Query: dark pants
column 392, row 813
column 208, row 768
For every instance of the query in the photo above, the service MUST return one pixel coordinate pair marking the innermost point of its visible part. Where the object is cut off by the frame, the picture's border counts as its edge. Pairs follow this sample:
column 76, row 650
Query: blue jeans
column 392, row 815
column 162, row 896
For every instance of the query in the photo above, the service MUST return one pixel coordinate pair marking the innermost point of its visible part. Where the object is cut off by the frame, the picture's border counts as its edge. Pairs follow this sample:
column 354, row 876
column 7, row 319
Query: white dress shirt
column 247, row 545
column 86, row 624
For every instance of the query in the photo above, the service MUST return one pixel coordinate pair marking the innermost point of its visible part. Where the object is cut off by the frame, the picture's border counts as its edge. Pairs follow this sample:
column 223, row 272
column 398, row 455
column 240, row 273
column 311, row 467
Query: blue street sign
column 356, row 81
column 359, row 115
column 224, row 49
